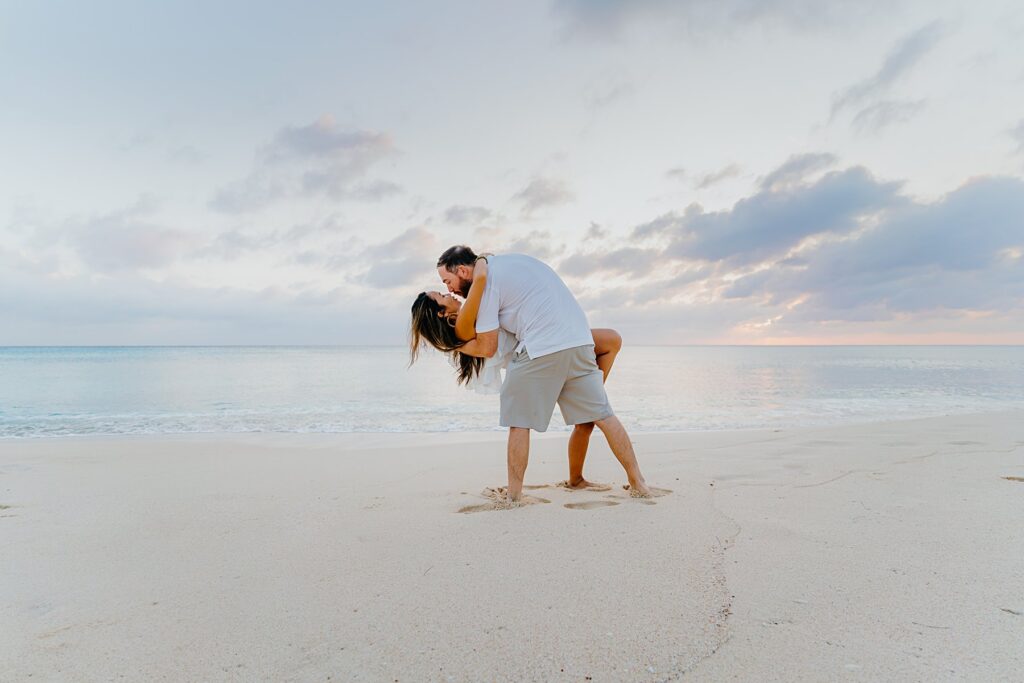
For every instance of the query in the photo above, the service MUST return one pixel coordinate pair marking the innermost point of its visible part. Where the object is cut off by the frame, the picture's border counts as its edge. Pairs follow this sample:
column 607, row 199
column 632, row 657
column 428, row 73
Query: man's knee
column 585, row 427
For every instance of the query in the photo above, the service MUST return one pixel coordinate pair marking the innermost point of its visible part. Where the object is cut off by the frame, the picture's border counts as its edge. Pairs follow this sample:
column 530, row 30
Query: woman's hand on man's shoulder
column 480, row 268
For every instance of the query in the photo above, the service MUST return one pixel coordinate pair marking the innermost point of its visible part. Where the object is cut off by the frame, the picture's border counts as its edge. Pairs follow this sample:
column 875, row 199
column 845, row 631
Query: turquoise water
column 66, row 391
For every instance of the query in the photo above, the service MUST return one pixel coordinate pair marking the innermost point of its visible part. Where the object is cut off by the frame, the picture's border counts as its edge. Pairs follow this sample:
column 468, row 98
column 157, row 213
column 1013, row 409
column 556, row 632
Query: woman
column 449, row 326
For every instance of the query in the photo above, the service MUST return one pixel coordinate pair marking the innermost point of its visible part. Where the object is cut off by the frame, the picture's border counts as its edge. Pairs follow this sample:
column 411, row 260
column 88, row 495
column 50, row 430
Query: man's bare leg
column 518, row 457
column 619, row 442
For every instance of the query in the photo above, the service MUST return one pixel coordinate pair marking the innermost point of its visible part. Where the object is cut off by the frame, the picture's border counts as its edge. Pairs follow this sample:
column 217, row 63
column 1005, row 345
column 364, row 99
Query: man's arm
column 484, row 346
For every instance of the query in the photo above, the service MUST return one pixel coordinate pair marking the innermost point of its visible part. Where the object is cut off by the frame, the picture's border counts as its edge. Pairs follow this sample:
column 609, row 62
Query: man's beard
column 463, row 288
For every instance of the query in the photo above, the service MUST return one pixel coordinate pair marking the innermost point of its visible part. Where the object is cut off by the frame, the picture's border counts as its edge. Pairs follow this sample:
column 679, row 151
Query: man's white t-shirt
column 525, row 297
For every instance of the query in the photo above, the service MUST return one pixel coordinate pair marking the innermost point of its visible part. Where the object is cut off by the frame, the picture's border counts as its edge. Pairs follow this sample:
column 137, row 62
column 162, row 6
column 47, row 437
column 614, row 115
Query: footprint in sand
column 504, row 504
column 591, row 504
column 498, row 501
column 655, row 492
column 965, row 443
column 590, row 486
column 645, row 501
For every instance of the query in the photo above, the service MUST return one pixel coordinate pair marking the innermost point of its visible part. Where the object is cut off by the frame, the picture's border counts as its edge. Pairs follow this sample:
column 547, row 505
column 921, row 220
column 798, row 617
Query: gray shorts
column 570, row 378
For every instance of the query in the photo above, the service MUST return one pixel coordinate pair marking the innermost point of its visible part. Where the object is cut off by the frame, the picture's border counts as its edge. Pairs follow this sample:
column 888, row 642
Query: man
column 553, row 363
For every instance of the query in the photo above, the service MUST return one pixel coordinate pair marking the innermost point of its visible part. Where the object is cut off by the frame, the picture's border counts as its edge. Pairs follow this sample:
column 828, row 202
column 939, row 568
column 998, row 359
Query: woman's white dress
column 490, row 378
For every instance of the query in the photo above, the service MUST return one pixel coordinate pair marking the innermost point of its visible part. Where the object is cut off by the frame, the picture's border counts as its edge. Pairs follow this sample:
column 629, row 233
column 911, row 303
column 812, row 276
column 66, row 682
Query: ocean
column 72, row 391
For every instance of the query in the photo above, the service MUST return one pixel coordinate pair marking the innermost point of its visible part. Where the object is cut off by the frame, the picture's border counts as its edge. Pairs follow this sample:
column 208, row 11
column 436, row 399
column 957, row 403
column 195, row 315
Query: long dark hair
column 430, row 328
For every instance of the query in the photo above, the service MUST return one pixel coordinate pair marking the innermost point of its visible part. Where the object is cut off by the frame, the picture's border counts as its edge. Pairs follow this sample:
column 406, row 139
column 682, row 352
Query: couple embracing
column 520, row 316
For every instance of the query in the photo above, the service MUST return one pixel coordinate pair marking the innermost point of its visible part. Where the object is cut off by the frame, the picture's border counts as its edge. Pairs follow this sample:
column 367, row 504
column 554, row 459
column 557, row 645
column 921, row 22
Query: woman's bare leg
column 607, row 344
column 579, row 441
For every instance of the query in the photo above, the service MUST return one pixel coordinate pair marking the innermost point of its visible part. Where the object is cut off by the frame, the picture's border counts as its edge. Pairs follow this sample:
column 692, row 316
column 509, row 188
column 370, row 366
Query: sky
column 698, row 171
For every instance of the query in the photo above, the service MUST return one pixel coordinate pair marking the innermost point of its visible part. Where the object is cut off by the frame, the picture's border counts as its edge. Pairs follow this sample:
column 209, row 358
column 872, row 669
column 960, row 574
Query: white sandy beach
column 889, row 551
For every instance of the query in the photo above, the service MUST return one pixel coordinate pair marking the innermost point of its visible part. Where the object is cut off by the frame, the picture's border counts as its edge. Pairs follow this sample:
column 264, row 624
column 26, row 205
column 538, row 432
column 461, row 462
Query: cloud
column 323, row 139
column 537, row 243
column 118, row 242
column 795, row 169
column 708, row 179
column 543, row 193
column 629, row 260
column 962, row 252
column 236, row 243
column 375, row 191
column 417, row 241
column 610, row 19
column 646, row 319
column 132, row 309
column 402, row 273
column 665, row 224
column 600, row 96
column 121, row 240
column 319, row 159
column 411, row 257
column 901, row 58
column 186, row 154
column 875, row 117
column 256, row 191
column 136, row 141
column 966, row 231
column 1017, row 133
column 466, row 215
column 771, row 222
column 677, row 173
column 894, row 265
column 881, row 265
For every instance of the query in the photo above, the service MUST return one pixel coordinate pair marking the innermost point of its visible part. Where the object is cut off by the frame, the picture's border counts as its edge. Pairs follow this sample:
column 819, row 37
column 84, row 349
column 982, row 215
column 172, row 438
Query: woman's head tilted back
column 433, row 322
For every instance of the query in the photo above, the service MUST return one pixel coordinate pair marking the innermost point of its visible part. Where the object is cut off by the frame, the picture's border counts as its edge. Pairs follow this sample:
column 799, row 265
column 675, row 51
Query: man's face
column 458, row 282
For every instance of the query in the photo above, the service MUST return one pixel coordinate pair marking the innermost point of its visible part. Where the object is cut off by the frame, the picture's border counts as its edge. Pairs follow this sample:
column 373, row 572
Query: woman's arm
column 465, row 324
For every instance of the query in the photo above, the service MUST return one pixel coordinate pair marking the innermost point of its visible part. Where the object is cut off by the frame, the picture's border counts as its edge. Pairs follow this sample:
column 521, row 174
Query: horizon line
column 402, row 346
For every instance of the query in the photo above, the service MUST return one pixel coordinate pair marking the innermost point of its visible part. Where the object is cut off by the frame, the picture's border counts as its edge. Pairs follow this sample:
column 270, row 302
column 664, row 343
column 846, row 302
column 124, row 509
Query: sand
column 884, row 551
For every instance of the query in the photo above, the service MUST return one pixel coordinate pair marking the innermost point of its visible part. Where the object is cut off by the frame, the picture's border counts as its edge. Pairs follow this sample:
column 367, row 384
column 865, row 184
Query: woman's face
column 448, row 303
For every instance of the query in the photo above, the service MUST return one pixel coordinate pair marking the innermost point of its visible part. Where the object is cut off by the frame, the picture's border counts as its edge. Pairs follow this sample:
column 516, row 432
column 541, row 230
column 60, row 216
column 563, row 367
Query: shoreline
column 869, row 551
column 497, row 432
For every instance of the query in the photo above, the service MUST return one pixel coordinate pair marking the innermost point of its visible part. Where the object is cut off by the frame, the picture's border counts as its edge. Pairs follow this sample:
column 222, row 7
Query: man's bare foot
column 638, row 489
column 581, row 484
column 498, row 496
column 647, row 492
